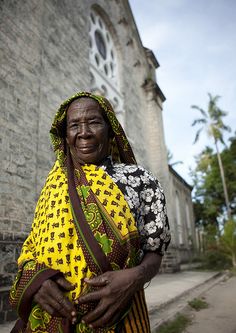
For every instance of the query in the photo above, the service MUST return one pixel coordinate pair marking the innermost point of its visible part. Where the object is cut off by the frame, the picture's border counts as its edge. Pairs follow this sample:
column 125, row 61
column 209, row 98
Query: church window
column 92, row 17
column 106, row 69
column 100, row 23
column 100, row 44
column 178, row 219
column 188, row 218
column 97, row 59
column 104, row 62
column 90, row 42
column 104, row 90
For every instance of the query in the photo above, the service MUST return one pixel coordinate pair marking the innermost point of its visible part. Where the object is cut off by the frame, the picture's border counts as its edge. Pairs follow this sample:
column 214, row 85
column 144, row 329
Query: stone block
column 10, row 267
column 2, row 211
column 17, row 225
column 7, row 251
column 18, row 251
column 20, row 237
column 6, row 224
column 11, row 315
column 2, row 317
column 5, row 280
column 5, row 301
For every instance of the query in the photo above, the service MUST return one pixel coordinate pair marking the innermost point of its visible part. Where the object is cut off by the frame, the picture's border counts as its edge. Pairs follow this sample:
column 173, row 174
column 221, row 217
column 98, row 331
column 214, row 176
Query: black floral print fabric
column 146, row 200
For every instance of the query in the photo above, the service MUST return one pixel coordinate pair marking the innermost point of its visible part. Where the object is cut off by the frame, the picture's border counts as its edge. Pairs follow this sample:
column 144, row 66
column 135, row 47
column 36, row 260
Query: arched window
column 104, row 63
column 178, row 219
column 188, row 217
column 189, row 229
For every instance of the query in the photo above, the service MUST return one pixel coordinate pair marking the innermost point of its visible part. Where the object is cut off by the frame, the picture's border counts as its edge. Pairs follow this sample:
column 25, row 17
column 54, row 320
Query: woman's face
column 87, row 132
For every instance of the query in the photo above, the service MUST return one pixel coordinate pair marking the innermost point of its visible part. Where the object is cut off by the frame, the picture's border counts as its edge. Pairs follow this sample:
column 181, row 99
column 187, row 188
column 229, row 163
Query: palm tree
column 212, row 122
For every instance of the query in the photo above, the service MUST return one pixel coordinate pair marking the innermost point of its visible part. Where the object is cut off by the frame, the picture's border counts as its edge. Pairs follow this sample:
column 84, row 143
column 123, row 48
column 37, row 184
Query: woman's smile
column 87, row 148
column 87, row 132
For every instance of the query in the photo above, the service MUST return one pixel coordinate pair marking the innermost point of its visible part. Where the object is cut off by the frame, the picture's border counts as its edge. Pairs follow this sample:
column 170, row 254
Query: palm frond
column 226, row 128
column 221, row 140
column 197, row 135
column 212, row 98
column 212, row 120
column 203, row 112
column 199, row 121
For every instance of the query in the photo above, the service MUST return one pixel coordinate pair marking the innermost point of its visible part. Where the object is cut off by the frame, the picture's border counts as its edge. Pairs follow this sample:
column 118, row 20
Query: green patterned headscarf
column 121, row 150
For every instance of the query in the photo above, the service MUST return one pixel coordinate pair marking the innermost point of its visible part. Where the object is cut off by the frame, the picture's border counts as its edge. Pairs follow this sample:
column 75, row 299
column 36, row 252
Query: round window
column 101, row 46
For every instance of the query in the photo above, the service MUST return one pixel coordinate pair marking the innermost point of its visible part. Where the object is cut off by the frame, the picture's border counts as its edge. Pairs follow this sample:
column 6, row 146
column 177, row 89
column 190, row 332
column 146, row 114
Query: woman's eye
column 93, row 124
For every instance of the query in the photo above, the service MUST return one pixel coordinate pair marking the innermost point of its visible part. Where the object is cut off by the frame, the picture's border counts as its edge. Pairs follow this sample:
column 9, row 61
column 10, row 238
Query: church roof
column 180, row 178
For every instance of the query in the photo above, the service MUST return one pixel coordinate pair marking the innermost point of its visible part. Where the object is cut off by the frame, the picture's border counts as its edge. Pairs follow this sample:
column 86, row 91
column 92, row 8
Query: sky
column 195, row 45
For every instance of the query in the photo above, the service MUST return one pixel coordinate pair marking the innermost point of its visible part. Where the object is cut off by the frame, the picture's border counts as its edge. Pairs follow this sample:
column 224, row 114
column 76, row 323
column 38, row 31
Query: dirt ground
column 220, row 316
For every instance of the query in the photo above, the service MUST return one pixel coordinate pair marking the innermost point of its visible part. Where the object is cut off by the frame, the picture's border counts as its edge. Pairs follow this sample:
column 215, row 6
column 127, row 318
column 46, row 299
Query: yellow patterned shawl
column 56, row 242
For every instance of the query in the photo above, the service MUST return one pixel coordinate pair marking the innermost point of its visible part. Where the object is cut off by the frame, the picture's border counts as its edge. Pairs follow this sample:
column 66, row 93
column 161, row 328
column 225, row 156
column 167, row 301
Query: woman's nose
column 84, row 129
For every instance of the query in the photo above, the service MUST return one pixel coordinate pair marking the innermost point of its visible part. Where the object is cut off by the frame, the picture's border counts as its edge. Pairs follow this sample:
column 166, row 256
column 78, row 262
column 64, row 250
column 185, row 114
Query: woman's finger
column 63, row 283
column 50, row 295
column 95, row 314
column 61, row 307
column 98, row 281
column 49, row 309
column 108, row 319
column 94, row 296
column 59, row 302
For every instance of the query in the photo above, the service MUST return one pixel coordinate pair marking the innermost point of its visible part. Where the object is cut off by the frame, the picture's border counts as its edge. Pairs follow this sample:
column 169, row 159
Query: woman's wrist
column 138, row 276
column 147, row 269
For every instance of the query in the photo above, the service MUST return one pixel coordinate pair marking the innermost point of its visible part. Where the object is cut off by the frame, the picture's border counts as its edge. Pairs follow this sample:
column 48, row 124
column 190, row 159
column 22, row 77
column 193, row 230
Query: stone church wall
column 44, row 58
column 183, row 230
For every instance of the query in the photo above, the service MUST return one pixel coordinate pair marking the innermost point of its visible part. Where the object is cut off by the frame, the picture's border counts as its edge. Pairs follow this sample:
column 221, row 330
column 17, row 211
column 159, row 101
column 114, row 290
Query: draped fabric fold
column 83, row 226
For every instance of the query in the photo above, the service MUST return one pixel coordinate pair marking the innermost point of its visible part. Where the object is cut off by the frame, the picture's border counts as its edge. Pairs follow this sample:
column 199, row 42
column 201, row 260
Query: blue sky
column 195, row 44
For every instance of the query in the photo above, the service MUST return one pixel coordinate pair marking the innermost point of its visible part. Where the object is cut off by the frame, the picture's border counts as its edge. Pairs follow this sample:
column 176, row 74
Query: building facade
column 48, row 51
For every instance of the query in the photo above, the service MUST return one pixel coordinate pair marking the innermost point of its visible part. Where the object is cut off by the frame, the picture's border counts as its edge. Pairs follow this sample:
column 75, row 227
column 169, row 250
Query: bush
column 214, row 259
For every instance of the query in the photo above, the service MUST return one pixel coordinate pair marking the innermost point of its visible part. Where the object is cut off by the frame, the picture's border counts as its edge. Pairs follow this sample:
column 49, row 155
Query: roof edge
column 179, row 177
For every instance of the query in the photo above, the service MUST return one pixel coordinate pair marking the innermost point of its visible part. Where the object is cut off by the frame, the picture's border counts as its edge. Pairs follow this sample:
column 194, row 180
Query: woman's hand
column 51, row 298
column 116, row 289
column 113, row 296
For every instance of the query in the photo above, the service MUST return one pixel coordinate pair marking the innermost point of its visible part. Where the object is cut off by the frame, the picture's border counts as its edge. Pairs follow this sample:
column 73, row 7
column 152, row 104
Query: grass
column 198, row 304
column 175, row 326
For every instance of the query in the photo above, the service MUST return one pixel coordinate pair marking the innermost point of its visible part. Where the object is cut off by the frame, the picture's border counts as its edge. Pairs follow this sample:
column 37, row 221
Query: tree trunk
column 223, row 182
column 234, row 260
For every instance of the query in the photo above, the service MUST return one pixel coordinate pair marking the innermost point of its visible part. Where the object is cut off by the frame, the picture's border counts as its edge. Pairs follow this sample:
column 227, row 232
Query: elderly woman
column 99, row 232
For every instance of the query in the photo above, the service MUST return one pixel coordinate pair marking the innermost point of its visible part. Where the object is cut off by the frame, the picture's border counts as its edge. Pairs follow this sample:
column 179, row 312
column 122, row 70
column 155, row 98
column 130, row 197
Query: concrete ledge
column 169, row 295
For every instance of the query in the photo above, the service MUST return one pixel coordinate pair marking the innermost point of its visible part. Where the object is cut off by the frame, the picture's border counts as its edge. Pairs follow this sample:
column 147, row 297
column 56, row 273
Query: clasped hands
column 113, row 292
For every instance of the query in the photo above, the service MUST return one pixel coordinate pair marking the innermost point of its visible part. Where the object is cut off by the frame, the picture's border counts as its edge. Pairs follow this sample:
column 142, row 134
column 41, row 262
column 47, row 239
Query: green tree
column 209, row 201
column 212, row 122
column 228, row 241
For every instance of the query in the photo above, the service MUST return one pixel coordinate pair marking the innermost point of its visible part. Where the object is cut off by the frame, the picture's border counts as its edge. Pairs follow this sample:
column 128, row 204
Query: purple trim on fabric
column 19, row 326
column 25, row 305
column 66, row 326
